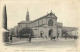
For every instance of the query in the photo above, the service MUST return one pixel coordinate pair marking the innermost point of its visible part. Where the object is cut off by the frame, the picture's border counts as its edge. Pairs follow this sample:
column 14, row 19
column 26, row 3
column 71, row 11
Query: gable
column 51, row 15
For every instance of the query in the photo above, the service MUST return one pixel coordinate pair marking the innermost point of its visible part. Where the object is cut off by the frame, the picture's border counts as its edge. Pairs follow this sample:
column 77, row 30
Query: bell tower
column 27, row 16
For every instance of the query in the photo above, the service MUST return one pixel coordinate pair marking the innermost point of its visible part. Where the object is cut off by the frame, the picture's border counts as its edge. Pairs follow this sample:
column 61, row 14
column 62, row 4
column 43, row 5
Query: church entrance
column 50, row 32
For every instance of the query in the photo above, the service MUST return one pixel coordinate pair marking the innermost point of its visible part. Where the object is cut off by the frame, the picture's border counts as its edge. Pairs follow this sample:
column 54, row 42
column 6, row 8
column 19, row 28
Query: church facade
column 46, row 25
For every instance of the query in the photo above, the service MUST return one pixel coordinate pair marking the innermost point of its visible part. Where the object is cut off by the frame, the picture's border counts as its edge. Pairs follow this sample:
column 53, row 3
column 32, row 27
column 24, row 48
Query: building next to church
column 46, row 25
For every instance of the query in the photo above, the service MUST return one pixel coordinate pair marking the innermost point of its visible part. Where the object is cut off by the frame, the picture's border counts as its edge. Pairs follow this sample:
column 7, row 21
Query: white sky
column 67, row 11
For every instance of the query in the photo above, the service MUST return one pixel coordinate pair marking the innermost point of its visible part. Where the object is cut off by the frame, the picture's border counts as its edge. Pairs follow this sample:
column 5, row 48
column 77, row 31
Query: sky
column 67, row 11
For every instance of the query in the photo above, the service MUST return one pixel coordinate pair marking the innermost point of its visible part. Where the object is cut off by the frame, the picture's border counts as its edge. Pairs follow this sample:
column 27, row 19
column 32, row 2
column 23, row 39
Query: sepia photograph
column 39, row 24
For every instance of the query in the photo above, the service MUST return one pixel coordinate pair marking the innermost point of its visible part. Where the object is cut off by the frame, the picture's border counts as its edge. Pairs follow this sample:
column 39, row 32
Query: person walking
column 45, row 36
column 54, row 38
column 30, row 38
column 51, row 37
column 58, row 35
column 11, row 39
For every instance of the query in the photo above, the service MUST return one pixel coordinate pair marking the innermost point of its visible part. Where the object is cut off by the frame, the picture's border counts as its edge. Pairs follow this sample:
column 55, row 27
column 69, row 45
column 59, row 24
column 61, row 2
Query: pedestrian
column 51, row 37
column 58, row 35
column 11, row 39
column 45, row 36
column 65, row 36
column 30, row 38
column 54, row 38
column 75, row 37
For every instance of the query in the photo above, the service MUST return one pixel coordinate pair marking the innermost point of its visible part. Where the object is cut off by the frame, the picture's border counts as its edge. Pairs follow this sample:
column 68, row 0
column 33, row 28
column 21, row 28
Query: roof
column 70, row 28
column 5, row 30
column 23, row 22
column 59, row 24
column 45, row 16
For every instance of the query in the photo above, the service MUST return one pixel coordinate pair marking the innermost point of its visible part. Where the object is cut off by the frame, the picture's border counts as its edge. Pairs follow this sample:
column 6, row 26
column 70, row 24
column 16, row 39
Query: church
column 46, row 25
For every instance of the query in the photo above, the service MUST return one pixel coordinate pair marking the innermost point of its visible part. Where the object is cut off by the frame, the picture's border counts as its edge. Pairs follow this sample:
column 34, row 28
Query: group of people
column 51, row 36
column 29, row 39
column 71, row 37
column 9, row 38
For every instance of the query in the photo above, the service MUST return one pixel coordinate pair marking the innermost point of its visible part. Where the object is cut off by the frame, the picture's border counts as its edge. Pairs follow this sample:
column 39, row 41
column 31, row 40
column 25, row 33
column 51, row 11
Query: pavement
column 40, row 42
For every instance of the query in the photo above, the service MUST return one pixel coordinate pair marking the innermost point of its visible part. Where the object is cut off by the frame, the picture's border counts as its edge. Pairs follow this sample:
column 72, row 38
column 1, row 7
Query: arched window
column 50, row 22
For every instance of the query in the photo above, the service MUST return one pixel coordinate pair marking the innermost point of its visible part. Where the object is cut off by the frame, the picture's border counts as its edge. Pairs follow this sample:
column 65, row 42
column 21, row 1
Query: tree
column 26, row 31
column 64, row 33
column 5, row 18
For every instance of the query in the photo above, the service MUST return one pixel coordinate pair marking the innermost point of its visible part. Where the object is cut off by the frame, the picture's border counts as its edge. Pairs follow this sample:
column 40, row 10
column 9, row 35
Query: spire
column 51, row 11
column 27, row 16
column 5, row 18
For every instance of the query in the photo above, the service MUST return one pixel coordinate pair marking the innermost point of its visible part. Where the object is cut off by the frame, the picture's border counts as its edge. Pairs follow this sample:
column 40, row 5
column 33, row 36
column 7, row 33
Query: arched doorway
column 50, row 32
